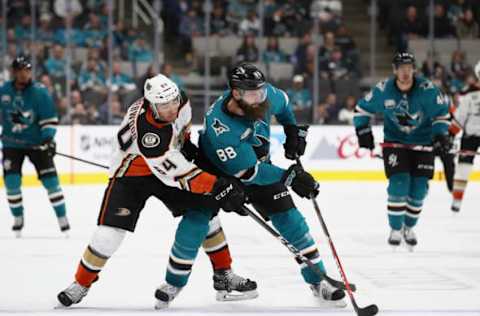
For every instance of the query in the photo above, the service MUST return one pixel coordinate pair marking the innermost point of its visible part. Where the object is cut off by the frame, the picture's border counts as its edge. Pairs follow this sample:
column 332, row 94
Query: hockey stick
column 38, row 147
column 365, row 311
column 296, row 253
column 428, row 149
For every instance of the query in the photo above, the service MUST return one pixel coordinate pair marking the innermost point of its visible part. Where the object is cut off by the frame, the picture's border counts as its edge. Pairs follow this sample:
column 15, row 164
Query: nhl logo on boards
column 150, row 140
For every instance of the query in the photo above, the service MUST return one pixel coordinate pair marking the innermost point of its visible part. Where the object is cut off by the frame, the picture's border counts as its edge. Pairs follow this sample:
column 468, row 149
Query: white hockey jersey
column 467, row 114
column 146, row 147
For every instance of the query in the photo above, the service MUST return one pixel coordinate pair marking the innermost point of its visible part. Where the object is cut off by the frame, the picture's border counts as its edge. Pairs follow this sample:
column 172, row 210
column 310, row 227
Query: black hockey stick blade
column 339, row 284
column 369, row 310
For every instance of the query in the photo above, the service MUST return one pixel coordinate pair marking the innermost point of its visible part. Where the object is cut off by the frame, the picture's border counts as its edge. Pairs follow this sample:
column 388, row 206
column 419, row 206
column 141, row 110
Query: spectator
column 330, row 12
column 120, row 82
column 94, row 33
column 140, row 52
column 333, row 107
column 411, row 27
column 167, row 70
column 237, row 11
column 91, row 77
column 60, row 8
column 218, row 23
column 62, row 111
column 458, row 64
column 116, row 112
column 467, row 27
column 77, row 37
column 299, row 96
column 56, row 64
column 78, row 114
column 272, row 52
column 23, row 30
column 47, row 82
column 335, row 67
column 248, row 51
column 190, row 26
column 443, row 26
column 321, row 115
column 344, row 40
column 347, row 112
column 300, row 58
column 44, row 31
column 294, row 17
column 328, row 46
column 250, row 24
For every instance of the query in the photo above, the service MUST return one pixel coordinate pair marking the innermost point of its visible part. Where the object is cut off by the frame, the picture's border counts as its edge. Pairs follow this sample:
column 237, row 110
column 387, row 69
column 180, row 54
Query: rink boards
column 332, row 154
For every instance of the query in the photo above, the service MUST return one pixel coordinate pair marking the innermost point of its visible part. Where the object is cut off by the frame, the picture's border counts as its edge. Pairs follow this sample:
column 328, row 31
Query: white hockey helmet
column 160, row 90
column 477, row 70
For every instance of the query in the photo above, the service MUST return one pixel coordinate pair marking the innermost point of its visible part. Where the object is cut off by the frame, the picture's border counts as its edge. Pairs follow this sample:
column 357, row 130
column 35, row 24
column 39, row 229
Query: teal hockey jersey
column 412, row 117
column 240, row 147
column 28, row 117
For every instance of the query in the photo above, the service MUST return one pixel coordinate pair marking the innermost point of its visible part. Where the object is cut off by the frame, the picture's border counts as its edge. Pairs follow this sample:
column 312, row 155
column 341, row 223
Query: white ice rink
column 441, row 277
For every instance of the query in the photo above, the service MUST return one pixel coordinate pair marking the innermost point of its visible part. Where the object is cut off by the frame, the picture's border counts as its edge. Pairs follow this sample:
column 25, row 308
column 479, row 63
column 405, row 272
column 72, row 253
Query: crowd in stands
column 184, row 21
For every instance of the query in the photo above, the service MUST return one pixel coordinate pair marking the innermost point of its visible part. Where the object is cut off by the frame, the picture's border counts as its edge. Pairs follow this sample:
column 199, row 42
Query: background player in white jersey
column 150, row 162
column 467, row 117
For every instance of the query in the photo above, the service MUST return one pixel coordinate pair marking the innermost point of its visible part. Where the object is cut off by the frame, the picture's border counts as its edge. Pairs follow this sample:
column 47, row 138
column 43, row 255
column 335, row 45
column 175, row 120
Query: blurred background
column 94, row 55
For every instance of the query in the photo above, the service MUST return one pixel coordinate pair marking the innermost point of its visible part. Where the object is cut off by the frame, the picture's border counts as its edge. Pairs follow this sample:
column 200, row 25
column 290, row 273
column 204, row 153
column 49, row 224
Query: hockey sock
column 191, row 232
column 14, row 194
column 216, row 247
column 292, row 226
column 418, row 192
column 460, row 180
column 55, row 194
column 106, row 240
column 398, row 187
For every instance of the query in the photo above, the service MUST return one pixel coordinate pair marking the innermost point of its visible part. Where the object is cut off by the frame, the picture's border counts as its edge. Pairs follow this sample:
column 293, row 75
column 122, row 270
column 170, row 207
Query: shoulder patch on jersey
column 150, row 140
column 369, row 96
column 381, row 85
column 427, row 84
column 218, row 127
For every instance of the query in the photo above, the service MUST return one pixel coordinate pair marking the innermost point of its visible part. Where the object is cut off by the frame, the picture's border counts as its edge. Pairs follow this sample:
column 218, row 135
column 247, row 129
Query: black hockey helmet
column 246, row 76
column 401, row 58
column 21, row 62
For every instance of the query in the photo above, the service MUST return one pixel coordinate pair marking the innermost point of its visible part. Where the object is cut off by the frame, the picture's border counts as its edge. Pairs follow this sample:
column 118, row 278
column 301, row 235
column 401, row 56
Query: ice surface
column 440, row 278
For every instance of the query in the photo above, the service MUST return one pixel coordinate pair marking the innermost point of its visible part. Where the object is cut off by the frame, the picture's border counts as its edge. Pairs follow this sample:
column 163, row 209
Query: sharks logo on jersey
column 406, row 121
column 20, row 120
column 219, row 128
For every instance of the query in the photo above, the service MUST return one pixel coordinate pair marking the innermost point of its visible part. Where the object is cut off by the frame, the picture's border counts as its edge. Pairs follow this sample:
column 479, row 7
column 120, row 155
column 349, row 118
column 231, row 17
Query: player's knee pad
column 13, row 181
column 292, row 226
column 51, row 183
column 398, row 185
column 463, row 170
column 106, row 240
column 418, row 189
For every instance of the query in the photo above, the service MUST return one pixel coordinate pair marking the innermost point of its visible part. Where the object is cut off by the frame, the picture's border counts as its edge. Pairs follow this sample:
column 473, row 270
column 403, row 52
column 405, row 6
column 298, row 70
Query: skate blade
column 224, row 296
column 332, row 304
column 17, row 233
column 60, row 306
column 161, row 305
column 410, row 248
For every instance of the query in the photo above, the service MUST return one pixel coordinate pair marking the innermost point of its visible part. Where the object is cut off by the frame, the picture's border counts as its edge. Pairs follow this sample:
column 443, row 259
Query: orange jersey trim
column 138, row 167
column 202, row 183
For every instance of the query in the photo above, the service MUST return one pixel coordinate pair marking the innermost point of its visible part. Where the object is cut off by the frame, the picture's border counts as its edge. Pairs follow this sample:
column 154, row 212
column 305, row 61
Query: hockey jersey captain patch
column 150, row 140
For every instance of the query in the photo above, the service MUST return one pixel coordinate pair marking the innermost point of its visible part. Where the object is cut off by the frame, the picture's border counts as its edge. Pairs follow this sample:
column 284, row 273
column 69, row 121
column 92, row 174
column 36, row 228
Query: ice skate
column 72, row 295
column 232, row 287
column 17, row 226
column 328, row 295
column 456, row 206
column 395, row 238
column 165, row 294
column 64, row 225
column 410, row 238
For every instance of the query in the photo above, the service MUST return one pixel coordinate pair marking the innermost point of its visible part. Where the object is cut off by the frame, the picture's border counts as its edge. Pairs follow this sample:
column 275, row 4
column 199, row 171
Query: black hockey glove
column 49, row 147
column 301, row 181
column 189, row 150
column 442, row 144
column 365, row 137
column 229, row 194
column 296, row 140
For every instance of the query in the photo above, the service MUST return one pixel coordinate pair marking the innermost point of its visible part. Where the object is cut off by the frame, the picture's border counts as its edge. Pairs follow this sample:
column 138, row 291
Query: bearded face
column 253, row 103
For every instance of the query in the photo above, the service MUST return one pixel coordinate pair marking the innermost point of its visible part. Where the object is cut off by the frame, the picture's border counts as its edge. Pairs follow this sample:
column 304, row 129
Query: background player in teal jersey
column 29, row 122
column 235, row 141
column 415, row 113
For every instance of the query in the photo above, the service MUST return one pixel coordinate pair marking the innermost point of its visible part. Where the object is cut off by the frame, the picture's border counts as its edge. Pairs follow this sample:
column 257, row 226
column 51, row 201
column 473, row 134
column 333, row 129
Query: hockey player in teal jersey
column 235, row 142
column 415, row 113
column 29, row 122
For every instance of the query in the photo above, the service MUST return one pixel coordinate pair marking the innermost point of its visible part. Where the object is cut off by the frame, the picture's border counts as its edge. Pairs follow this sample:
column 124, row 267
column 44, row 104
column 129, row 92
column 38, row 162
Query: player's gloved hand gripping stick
column 365, row 311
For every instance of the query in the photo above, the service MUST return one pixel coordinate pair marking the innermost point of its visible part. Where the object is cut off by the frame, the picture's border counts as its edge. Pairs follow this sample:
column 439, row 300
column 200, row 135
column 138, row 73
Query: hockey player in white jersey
column 150, row 162
column 467, row 117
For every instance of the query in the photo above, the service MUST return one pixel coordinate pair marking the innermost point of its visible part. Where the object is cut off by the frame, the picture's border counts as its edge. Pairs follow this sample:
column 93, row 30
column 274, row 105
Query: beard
column 254, row 113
